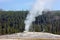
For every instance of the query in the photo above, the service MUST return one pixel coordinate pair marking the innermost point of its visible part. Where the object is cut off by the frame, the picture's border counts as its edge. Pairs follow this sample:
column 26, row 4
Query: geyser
column 39, row 5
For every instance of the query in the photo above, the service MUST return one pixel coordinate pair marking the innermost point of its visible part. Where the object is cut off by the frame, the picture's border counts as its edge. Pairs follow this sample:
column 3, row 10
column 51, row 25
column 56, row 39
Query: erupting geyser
column 39, row 5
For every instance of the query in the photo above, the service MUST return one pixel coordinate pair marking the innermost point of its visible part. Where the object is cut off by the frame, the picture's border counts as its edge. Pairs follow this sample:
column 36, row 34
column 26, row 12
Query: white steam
column 36, row 10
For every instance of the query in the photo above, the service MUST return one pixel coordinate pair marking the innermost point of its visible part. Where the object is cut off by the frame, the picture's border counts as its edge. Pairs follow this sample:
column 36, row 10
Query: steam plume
column 39, row 5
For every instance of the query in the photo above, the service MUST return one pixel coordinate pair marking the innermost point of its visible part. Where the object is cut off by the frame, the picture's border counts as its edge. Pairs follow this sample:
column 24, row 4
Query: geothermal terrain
column 31, row 35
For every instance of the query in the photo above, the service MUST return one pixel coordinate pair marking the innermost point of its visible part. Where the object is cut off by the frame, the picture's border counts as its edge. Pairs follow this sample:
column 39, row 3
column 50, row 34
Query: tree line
column 13, row 22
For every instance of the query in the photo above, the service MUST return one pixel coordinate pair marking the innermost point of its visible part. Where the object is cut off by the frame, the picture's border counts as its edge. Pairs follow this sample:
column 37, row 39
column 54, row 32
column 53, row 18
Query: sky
column 23, row 4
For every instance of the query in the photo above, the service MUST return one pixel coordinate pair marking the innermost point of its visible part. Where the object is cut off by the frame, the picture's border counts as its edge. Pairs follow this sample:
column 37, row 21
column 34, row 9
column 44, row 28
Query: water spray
column 39, row 5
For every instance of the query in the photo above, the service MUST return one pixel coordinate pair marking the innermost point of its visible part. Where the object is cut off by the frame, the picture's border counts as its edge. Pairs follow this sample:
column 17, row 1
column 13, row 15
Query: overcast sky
column 23, row 4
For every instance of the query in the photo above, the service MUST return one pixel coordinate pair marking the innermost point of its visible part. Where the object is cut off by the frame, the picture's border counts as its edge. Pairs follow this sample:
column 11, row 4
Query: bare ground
column 30, row 35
